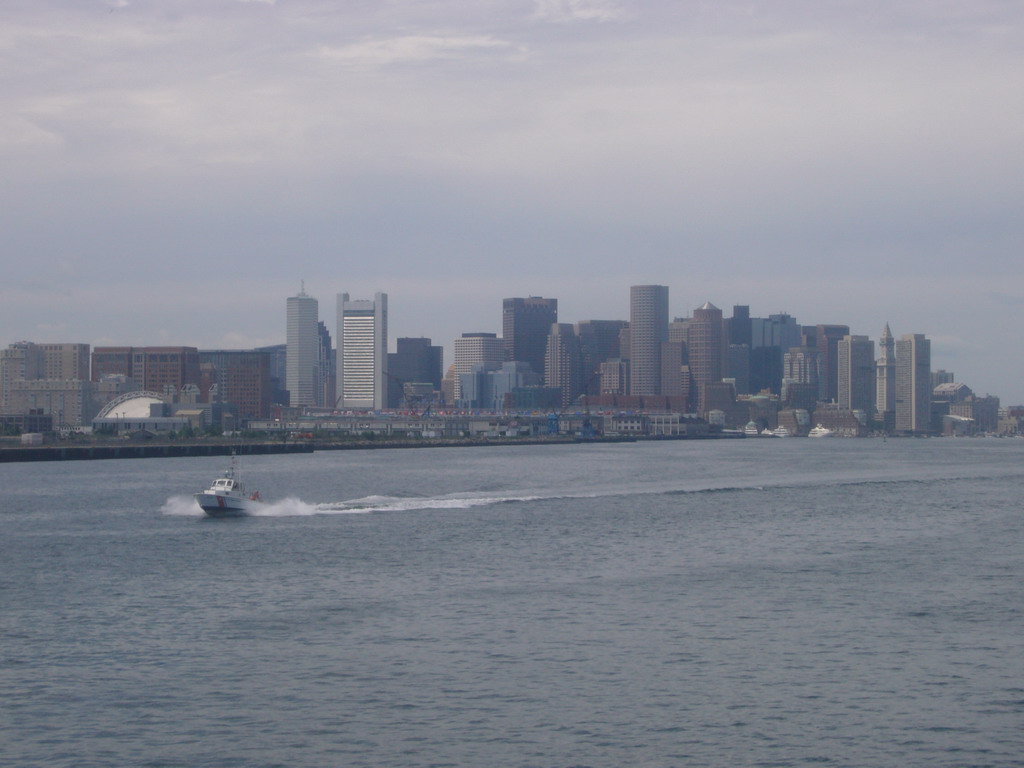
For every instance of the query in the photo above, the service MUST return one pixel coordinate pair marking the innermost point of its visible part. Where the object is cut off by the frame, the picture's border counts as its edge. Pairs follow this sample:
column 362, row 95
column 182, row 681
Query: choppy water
column 731, row 603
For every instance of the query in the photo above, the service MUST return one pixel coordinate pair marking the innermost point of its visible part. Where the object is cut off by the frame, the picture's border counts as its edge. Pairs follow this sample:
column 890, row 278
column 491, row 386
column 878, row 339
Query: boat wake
column 292, row 507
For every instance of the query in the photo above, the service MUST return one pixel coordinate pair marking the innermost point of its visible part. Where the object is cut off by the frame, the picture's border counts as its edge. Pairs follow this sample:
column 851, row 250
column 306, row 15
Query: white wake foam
column 181, row 505
column 294, row 507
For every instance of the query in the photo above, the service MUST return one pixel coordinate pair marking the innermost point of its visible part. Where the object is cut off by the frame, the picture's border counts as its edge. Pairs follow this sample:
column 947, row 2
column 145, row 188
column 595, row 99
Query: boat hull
column 225, row 505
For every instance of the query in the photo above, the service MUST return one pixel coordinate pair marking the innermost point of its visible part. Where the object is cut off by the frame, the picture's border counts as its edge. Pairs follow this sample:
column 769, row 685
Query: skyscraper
column 525, row 325
column 472, row 349
column 416, row 361
column 706, row 350
column 648, row 327
column 362, row 356
column 913, row 383
column 563, row 363
column 828, row 337
column 303, row 340
column 856, row 373
column 770, row 339
column 325, row 361
column 885, row 379
column 599, row 342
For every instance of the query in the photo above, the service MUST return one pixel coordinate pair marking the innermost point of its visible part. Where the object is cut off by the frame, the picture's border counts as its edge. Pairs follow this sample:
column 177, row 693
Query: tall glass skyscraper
column 525, row 325
column 303, row 344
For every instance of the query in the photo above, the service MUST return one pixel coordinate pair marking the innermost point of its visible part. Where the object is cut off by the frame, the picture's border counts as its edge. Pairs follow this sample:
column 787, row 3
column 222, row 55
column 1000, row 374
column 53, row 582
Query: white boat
column 781, row 431
column 226, row 497
column 820, row 431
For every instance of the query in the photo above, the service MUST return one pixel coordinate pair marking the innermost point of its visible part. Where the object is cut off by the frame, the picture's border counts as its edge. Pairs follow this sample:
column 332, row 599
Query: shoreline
column 95, row 452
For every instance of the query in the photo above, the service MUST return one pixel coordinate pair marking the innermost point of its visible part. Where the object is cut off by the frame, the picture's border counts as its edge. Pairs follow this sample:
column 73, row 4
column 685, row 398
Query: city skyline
column 170, row 174
column 449, row 345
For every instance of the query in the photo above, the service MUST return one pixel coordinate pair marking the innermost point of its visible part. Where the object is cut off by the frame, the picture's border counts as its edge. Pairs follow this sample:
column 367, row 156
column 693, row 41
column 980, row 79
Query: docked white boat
column 226, row 497
column 820, row 431
column 781, row 431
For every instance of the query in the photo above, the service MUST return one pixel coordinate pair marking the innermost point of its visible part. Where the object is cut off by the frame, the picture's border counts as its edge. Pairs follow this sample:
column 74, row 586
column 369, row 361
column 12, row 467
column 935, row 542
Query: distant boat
column 781, row 431
column 820, row 431
column 226, row 497
column 751, row 429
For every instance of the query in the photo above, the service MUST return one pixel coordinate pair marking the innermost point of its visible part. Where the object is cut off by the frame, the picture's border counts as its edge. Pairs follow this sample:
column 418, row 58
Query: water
column 731, row 603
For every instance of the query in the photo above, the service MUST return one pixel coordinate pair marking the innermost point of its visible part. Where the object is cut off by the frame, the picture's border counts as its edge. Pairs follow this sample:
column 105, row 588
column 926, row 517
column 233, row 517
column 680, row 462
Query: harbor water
column 786, row 602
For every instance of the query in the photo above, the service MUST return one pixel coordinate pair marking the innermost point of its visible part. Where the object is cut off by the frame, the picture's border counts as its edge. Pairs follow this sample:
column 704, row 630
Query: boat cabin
column 225, row 484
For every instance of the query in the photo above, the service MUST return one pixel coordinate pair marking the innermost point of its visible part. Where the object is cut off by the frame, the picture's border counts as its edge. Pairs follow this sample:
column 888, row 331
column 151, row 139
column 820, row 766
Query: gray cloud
column 846, row 163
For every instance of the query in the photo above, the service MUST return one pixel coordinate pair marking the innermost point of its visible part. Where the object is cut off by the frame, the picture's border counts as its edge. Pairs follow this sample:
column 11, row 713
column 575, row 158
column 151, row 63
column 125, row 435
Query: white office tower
column 302, row 350
column 913, row 383
column 362, row 343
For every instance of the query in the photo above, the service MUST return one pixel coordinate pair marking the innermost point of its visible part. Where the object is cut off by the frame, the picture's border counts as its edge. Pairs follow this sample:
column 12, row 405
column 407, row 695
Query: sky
column 171, row 171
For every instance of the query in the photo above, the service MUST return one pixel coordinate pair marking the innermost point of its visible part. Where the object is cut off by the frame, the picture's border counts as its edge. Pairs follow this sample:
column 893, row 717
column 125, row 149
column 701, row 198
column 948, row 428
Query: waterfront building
column 648, row 328
column 913, row 383
column 65, row 361
column 362, row 357
column 21, row 361
column 856, row 374
column 156, row 369
column 473, row 349
column 525, row 325
column 303, row 350
column 615, row 377
column 241, row 377
column 111, row 361
column 69, row 402
column 885, row 379
column 706, row 346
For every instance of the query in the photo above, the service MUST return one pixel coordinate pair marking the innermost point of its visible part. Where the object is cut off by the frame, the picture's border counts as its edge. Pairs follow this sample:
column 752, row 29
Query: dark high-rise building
column 856, row 374
column 278, row 356
column 737, row 367
column 325, row 364
column 599, row 342
column 739, row 325
column 525, row 325
column 415, row 361
column 828, row 337
column 771, row 338
column 648, row 328
column 707, row 351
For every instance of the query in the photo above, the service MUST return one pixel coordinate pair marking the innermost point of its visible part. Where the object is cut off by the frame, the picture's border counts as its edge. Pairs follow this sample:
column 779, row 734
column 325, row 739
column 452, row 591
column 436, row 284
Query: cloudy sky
column 171, row 170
